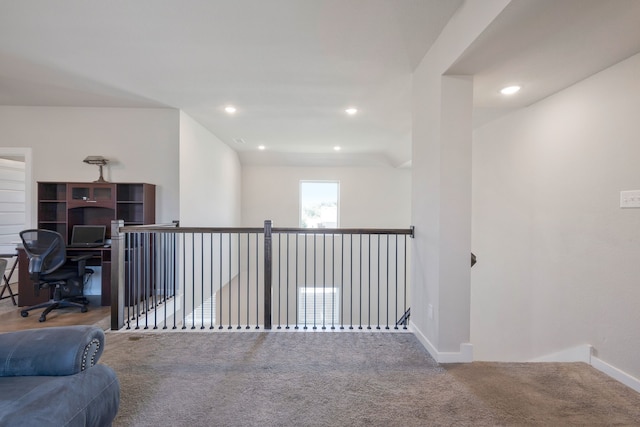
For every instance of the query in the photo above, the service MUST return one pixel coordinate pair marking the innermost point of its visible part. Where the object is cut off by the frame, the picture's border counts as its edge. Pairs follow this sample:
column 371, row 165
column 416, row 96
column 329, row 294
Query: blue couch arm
column 53, row 351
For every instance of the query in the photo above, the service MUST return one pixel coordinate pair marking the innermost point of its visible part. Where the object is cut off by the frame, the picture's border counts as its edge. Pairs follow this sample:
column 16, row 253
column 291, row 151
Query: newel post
column 267, row 274
column 117, row 275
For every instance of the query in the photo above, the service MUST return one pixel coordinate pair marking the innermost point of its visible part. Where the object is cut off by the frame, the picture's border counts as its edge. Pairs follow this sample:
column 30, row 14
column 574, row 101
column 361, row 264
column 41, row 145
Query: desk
column 6, row 277
column 100, row 257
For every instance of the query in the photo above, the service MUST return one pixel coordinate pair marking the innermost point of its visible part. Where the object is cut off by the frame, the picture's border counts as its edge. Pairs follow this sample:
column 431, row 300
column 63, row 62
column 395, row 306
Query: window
column 12, row 202
column 319, row 204
column 318, row 306
column 204, row 314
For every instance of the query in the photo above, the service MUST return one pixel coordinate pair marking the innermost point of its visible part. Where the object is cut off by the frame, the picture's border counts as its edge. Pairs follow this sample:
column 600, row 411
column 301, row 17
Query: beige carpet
column 550, row 394
column 346, row 379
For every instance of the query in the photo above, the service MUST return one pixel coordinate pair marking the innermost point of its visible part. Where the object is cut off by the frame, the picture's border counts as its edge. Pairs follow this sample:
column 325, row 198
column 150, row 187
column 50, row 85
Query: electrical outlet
column 630, row 199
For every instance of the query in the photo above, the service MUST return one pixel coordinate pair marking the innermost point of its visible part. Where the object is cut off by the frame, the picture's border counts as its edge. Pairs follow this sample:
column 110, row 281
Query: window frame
column 305, row 314
column 318, row 181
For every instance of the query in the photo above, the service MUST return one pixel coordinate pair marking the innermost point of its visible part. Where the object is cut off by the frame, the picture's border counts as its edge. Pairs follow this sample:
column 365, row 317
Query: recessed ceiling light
column 230, row 109
column 261, row 147
column 337, row 148
column 509, row 90
column 351, row 111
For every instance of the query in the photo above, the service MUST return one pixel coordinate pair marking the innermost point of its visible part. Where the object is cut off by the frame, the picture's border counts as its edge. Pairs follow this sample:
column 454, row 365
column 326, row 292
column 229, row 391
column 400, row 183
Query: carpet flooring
column 346, row 379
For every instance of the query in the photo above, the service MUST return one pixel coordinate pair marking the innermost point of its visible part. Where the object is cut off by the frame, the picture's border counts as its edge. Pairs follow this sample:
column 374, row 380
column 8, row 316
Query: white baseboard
column 424, row 341
column 584, row 353
column 616, row 373
column 581, row 353
column 465, row 355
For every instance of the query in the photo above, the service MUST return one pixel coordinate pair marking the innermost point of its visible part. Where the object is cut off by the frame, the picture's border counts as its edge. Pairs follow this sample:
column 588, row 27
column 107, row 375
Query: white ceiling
column 291, row 67
column 546, row 46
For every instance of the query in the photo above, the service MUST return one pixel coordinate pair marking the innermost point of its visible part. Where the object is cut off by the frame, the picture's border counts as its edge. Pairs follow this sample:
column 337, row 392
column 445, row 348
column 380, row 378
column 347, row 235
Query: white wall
column 141, row 143
column 558, row 260
column 210, row 186
column 210, row 178
column 370, row 197
column 377, row 197
column 441, row 185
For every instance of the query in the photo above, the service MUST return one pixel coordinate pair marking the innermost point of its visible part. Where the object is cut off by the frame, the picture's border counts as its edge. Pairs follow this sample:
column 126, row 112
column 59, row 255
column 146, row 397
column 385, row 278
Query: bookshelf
column 61, row 205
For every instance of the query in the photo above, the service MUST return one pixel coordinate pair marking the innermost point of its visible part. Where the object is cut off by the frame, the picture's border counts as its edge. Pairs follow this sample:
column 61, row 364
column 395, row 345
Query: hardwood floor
column 11, row 320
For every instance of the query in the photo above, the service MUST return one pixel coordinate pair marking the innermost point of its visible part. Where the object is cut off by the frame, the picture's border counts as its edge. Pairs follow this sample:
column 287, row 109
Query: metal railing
column 251, row 278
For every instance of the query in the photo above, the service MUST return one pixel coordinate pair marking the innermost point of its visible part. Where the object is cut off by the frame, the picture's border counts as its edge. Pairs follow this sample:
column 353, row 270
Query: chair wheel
column 42, row 319
column 84, row 309
column 24, row 313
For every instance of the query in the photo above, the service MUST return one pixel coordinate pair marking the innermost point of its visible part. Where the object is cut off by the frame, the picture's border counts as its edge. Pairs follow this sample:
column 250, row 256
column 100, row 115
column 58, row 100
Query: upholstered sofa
column 50, row 377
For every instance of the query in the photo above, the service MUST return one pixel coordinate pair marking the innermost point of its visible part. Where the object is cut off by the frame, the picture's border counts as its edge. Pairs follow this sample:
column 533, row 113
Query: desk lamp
column 97, row 160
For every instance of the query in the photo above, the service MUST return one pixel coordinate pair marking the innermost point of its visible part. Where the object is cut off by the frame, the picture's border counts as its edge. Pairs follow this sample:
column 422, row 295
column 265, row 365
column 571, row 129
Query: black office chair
column 49, row 268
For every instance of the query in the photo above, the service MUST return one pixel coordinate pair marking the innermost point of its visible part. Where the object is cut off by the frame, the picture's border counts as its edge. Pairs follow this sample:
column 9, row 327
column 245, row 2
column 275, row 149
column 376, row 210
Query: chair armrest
column 82, row 257
column 81, row 260
column 54, row 351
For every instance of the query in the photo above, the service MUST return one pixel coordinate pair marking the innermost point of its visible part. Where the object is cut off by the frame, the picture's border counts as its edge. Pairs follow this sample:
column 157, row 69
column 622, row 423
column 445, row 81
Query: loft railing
column 251, row 278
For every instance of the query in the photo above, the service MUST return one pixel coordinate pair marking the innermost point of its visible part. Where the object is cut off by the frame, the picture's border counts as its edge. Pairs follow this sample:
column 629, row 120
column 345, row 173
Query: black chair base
column 80, row 302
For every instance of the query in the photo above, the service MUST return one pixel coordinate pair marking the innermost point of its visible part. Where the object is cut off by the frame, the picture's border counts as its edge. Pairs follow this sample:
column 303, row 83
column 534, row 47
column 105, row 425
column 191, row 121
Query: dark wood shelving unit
column 135, row 203
column 61, row 205
column 52, row 207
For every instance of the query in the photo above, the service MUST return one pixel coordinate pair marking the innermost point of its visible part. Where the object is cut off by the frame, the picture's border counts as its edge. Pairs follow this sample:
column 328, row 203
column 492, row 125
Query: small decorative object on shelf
column 97, row 160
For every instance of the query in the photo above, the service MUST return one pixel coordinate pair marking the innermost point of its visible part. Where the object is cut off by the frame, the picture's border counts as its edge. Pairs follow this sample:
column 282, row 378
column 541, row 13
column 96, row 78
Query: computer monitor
column 88, row 236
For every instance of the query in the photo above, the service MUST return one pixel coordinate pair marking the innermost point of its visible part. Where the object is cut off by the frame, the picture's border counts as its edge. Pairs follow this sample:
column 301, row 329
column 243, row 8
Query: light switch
column 630, row 199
